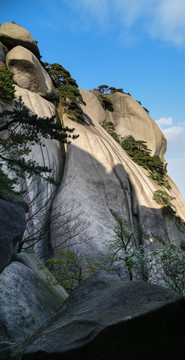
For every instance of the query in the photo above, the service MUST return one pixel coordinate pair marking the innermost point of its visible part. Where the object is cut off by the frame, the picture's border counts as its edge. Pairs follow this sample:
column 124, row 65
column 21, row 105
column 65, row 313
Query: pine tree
column 19, row 130
column 6, row 85
column 139, row 152
column 67, row 88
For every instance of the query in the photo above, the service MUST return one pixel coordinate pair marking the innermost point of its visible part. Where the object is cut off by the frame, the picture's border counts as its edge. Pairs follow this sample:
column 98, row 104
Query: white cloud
column 163, row 19
column 168, row 21
column 164, row 121
column 175, row 133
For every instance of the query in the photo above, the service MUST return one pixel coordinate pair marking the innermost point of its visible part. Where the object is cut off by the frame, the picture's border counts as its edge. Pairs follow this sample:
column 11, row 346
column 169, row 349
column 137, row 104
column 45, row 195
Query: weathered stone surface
column 129, row 118
column 40, row 193
column 26, row 301
column 93, row 109
column 12, row 226
column 2, row 54
column 12, row 35
column 107, row 319
column 29, row 73
column 100, row 176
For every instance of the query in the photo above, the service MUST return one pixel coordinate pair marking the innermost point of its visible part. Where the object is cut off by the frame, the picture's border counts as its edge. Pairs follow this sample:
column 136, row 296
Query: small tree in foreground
column 170, row 265
column 165, row 266
column 70, row 268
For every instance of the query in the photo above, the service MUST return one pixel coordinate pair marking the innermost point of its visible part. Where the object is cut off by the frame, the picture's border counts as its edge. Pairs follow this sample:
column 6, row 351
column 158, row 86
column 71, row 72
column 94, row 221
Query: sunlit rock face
column 129, row 118
column 29, row 73
column 12, row 35
column 100, row 177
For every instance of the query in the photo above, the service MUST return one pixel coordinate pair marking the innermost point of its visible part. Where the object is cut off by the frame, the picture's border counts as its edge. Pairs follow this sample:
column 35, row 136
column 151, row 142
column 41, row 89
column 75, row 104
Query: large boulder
column 29, row 73
column 107, row 319
column 27, row 300
column 12, row 35
column 12, row 225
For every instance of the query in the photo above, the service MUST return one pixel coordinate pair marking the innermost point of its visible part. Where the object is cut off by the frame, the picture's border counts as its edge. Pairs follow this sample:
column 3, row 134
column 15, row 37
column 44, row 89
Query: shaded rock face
column 105, row 319
column 26, row 301
column 2, row 54
column 39, row 193
column 12, row 225
column 12, row 35
column 29, row 74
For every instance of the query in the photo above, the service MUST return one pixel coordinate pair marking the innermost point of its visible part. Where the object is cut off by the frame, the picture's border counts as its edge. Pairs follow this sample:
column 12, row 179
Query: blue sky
column 137, row 45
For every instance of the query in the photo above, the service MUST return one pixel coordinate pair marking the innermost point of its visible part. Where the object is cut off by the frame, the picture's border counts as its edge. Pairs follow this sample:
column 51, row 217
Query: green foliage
column 180, row 223
column 67, row 88
column 6, row 85
column 105, row 89
column 59, row 75
column 170, row 265
column 165, row 266
column 139, row 152
column 113, row 90
column 19, row 130
column 70, row 269
column 109, row 127
column 146, row 110
column 121, row 248
column 142, row 263
column 164, row 199
column 106, row 103
column 75, row 112
column 168, row 210
column 69, row 92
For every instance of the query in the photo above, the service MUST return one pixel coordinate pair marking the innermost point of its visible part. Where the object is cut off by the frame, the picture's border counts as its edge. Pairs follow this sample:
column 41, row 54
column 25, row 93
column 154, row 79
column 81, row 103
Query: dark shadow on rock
column 108, row 319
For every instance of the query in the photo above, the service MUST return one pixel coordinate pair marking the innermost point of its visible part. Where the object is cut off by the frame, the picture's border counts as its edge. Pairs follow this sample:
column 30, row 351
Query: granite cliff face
column 99, row 177
column 97, row 180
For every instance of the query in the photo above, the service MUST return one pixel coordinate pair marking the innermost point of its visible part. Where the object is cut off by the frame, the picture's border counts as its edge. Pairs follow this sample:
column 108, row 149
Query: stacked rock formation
column 97, row 180
column 33, row 84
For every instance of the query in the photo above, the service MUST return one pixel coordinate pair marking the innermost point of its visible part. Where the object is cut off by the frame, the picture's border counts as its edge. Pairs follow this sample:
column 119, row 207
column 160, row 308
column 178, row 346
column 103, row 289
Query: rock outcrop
column 105, row 318
column 130, row 118
column 29, row 73
column 12, row 35
column 27, row 300
column 40, row 193
column 99, row 177
column 97, row 180
column 12, row 225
